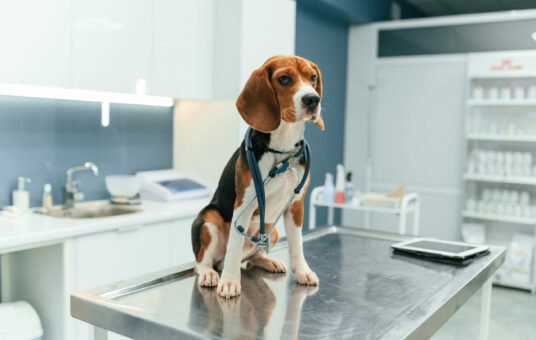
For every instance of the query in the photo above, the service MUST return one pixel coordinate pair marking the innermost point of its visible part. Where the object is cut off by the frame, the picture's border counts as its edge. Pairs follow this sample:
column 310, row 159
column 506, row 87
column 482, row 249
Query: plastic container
column 329, row 189
column 349, row 190
column 381, row 201
column 47, row 197
column 340, row 185
column 19, row 321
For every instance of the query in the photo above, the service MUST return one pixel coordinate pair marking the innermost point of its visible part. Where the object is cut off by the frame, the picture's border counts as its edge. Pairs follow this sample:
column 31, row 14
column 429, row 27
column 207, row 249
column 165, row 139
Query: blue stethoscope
column 263, row 241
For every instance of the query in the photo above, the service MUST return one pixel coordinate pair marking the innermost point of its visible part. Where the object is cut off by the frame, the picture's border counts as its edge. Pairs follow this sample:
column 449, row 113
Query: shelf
column 513, row 284
column 526, row 180
column 502, row 102
column 362, row 207
column 501, row 138
column 499, row 218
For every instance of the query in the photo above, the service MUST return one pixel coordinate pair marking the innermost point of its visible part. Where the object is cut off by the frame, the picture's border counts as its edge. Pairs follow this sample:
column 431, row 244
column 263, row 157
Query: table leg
column 312, row 214
column 416, row 216
column 485, row 310
column 99, row 333
column 331, row 216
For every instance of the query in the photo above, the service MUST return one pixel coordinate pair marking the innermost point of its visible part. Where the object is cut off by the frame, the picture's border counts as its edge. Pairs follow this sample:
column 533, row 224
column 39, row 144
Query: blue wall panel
column 323, row 40
column 41, row 138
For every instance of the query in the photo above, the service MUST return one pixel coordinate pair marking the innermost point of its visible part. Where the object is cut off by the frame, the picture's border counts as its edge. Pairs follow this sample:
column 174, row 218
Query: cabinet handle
column 129, row 228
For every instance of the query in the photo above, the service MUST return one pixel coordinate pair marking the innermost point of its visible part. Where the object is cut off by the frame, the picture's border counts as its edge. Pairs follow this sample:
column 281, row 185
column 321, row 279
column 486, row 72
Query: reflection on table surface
column 363, row 290
column 255, row 313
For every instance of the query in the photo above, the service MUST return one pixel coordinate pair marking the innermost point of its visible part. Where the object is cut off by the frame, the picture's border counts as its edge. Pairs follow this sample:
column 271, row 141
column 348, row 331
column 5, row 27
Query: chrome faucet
column 73, row 189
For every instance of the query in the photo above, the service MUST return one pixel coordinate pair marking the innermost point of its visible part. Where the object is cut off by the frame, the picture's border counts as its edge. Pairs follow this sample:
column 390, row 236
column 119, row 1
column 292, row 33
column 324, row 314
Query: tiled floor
column 513, row 317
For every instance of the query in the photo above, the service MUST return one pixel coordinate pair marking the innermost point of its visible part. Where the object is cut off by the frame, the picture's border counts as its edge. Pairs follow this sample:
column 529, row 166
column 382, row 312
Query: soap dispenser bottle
column 47, row 197
column 21, row 197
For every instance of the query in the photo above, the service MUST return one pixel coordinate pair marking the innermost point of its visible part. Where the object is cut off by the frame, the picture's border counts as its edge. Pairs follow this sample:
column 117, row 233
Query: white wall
column 204, row 138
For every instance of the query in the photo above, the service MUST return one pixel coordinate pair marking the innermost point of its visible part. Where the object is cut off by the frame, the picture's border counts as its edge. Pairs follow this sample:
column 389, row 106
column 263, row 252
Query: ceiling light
column 105, row 114
column 82, row 95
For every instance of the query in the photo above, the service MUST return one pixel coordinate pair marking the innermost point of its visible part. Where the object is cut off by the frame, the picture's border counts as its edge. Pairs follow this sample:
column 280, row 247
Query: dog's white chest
column 280, row 189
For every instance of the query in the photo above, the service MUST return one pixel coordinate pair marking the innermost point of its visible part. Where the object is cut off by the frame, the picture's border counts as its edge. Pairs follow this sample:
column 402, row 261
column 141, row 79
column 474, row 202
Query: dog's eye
column 313, row 79
column 284, row 80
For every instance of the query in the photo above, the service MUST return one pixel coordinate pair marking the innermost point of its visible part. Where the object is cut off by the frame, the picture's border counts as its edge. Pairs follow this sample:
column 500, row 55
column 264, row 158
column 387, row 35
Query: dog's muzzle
column 311, row 102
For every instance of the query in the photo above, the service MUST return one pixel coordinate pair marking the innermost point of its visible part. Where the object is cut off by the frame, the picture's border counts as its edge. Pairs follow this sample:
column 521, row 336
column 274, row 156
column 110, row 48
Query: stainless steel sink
column 89, row 210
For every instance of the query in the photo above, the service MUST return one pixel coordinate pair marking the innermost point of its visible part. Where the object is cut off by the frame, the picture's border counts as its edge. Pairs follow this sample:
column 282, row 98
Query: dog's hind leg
column 208, row 233
column 267, row 263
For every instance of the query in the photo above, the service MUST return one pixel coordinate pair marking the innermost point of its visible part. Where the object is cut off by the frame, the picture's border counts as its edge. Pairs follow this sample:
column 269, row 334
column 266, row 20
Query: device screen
column 181, row 185
column 440, row 246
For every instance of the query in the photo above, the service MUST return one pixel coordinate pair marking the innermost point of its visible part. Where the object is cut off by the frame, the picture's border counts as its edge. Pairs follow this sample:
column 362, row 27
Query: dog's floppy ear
column 318, row 89
column 257, row 103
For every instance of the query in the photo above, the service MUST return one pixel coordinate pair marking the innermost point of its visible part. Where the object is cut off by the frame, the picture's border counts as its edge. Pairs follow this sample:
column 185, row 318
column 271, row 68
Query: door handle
column 133, row 227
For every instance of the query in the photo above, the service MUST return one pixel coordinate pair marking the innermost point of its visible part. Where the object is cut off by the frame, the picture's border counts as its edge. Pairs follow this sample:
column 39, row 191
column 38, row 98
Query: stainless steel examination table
column 365, row 292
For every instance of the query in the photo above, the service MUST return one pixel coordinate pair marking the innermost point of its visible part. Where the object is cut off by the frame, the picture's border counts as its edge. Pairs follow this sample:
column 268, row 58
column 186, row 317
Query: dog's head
column 285, row 88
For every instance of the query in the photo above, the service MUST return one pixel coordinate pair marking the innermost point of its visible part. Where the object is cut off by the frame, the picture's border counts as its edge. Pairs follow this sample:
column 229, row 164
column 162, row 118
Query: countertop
column 365, row 292
column 32, row 229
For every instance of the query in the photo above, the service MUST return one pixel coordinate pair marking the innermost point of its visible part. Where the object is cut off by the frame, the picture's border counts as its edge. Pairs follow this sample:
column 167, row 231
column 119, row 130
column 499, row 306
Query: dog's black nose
column 311, row 101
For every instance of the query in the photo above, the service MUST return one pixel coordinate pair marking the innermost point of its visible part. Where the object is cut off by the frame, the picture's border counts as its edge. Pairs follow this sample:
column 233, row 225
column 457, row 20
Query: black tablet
column 441, row 249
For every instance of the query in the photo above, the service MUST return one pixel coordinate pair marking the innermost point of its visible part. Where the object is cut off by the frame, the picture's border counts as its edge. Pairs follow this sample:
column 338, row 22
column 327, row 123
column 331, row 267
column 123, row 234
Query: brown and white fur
column 276, row 101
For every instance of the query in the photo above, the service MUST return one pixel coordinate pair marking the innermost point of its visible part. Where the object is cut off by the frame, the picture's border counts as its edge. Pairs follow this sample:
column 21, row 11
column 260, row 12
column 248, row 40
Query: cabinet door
column 112, row 44
column 35, row 42
column 268, row 29
column 122, row 254
column 181, row 241
column 183, row 49
column 118, row 255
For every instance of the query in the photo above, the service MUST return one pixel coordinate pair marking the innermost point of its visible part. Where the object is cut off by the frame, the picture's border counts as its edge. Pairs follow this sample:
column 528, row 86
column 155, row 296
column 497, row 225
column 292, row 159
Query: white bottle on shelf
column 493, row 93
column 506, row 92
column 519, row 92
column 478, row 92
column 531, row 92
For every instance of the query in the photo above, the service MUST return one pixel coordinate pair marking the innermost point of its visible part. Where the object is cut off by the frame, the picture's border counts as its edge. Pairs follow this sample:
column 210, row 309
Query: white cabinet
column 111, row 44
column 121, row 254
column 187, row 49
column 124, row 253
column 181, row 242
column 247, row 33
column 182, row 48
column 129, row 252
column 268, row 29
column 35, row 42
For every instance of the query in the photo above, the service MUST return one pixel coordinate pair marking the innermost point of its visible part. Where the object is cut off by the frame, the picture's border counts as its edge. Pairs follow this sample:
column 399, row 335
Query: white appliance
column 170, row 185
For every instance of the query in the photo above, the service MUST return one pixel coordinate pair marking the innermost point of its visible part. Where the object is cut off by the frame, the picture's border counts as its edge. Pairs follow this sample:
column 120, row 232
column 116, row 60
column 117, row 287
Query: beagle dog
column 276, row 101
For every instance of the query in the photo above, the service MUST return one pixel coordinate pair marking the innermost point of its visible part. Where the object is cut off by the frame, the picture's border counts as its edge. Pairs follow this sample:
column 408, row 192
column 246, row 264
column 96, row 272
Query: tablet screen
column 440, row 246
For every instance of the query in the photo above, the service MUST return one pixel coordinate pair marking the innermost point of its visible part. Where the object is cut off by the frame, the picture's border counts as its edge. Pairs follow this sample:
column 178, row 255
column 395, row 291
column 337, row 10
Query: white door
column 417, row 137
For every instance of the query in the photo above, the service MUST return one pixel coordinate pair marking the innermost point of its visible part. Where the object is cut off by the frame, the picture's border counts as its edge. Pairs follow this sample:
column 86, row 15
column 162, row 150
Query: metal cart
column 409, row 204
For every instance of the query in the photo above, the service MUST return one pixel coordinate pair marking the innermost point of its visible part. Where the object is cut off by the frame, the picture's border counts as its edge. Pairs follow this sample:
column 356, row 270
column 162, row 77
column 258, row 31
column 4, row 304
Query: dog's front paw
column 306, row 276
column 208, row 278
column 229, row 287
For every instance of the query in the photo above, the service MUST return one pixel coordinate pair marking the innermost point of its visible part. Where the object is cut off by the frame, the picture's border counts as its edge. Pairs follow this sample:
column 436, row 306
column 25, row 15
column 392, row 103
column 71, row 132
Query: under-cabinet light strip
column 83, row 95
